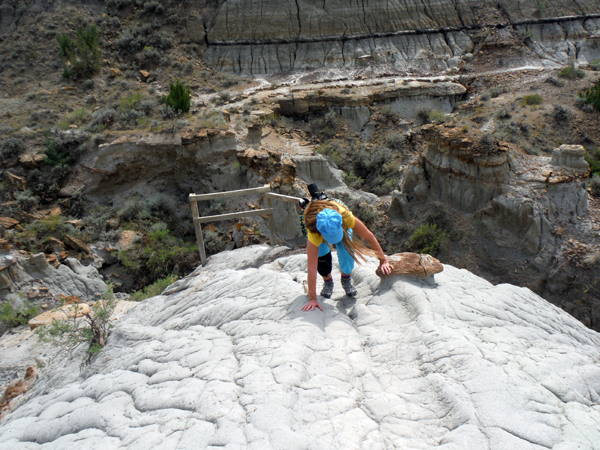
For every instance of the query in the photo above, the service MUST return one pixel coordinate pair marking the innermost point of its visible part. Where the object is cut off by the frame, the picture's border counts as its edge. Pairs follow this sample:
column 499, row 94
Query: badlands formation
column 269, row 36
column 225, row 359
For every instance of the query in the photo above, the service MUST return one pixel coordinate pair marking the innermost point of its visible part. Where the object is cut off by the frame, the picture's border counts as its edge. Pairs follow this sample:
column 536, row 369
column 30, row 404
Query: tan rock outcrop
column 571, row 156
column 16, row 181
column 8, row 222
column 128, row 239
column 469, row 171
column 302, row 102
column 65, row 312
column 76, row 244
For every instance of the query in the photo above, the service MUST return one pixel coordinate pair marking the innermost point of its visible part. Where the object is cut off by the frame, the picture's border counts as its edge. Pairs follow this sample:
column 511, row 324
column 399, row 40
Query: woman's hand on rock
column 312, row 304
column 385, row 267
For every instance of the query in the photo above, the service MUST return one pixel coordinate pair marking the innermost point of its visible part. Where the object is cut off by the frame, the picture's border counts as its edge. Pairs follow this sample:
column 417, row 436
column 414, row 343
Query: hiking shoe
column 347, row 285
column 327, row 289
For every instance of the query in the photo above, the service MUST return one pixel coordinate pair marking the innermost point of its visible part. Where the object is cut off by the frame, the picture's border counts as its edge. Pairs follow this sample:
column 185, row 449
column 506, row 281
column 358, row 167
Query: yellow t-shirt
column 349, row 222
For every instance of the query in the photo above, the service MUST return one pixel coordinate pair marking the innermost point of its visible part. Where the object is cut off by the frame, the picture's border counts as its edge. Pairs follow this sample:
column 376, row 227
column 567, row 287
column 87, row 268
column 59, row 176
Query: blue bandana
column 329, row 224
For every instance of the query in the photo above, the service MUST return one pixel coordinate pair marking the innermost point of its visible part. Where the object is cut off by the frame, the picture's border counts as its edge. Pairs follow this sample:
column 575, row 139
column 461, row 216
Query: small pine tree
column 592, row 95
column 81, row 58
column 179, row 97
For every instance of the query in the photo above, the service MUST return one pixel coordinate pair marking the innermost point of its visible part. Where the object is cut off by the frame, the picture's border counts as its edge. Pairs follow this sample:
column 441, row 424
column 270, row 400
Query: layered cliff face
column 265, row 36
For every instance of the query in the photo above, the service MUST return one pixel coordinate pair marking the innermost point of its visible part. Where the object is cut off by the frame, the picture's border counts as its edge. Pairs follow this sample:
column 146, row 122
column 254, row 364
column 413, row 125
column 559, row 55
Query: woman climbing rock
column 329, row 222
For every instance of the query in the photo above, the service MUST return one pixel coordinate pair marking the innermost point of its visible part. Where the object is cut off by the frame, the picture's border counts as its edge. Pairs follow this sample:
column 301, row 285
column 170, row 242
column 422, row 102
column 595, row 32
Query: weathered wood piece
column 285, row 198
column 229, row 194
column 238, row 215
column 413, row 264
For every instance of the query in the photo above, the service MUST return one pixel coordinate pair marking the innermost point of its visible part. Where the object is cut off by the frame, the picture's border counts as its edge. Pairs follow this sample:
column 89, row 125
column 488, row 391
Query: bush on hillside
column 571, row 73
column 12, row 315
column 91, row 329
column 593, row 159
column 595, row 185
column 12, row 147
column 535, row 99
column 591, row 96
column 160, row 255
column 81, row 58
column 178, row 98
column 427, row 239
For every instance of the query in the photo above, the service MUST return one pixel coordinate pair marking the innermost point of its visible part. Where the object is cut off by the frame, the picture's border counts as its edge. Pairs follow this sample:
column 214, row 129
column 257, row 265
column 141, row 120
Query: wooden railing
column 198, row 221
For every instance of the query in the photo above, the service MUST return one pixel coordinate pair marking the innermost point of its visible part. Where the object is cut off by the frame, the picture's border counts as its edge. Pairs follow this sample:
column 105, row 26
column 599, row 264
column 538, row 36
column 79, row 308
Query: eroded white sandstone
column 225, row 358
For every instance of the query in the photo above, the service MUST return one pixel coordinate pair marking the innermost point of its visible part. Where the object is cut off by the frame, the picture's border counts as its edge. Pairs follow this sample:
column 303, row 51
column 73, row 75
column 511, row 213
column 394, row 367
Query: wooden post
column 272, row 222
column 198, row 221
column 198, row 228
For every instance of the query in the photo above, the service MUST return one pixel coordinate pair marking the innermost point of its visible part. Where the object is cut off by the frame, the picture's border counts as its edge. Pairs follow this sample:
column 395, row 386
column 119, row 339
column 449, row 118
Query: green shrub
column 150, row 55
column 555, row 81
column 496, row 91
column 591, row 96
column 36, row 235
column 13, row 316
column 26, row 200
column 12, row 147
column 595, row 65
column 212, row 119
column 326, row 126
column 102, row 118
column 47, row 181
column 437, row 117
column 353, row 181
column 213, row 243
column 160, row 207
column 166, row 112
column 595, row 185
column 96, row 220
column 146, row 106
column 141, row 36
column 154, row 289
column 81, row 58
column 91, row 329
column 423, row 115
column 535, row 99
column 562, row 113
column 153, row 7
column 133, row 210
column 179, row 97
column 593, row 159
column 271, row 119
column 55, row 155
column 502, row 113
column 160, row 254
column 394, row 140
column 131, row 101
column 427, row 239
column 79, row 116
column 388, row 112
column 571, row 73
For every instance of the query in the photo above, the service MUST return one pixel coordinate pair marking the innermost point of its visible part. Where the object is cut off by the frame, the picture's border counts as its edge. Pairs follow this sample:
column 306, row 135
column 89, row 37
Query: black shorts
column 324, row 265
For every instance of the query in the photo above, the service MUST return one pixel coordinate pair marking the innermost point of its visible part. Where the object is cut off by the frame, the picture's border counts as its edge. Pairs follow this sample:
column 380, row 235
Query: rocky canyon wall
column 268, row 36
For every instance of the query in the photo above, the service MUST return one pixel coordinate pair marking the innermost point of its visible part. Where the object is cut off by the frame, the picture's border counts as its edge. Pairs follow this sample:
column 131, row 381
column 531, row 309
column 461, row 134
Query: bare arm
column 365, row 234
column 312, row 253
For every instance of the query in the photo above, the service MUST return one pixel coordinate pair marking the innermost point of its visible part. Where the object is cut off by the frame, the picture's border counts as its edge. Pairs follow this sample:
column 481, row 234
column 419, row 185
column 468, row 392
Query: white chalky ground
column 227, row 360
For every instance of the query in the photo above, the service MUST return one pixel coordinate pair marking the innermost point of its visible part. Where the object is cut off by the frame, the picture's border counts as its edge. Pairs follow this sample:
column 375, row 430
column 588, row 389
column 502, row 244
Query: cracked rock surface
column 225, row 358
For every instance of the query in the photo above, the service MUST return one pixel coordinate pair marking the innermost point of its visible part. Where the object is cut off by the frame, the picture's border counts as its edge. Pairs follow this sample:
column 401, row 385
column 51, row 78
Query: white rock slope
column 226, row 359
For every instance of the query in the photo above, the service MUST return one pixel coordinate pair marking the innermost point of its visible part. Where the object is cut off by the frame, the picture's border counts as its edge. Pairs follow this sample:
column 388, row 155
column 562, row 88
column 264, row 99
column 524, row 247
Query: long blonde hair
column 355, row 246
